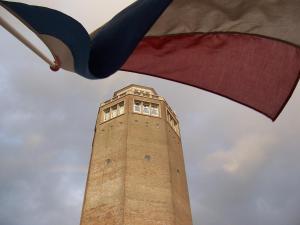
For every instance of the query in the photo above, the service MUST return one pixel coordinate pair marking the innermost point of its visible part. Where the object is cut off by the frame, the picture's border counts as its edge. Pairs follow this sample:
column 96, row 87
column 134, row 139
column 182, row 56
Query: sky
column 242, row 168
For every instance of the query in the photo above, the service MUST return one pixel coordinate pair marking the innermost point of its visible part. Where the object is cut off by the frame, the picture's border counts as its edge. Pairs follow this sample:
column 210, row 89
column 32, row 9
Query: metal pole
column 26, row 42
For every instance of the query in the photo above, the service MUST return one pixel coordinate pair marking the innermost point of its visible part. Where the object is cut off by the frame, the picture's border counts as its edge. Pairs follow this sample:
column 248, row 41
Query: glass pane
column 137, row 106
column 154, row 110
column 106, row 114
column 146, row 108
column 113, row 111
column 121, row 108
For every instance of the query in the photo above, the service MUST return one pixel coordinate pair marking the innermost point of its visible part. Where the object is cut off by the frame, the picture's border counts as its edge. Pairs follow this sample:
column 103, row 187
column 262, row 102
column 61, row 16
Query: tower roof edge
column 132, row 86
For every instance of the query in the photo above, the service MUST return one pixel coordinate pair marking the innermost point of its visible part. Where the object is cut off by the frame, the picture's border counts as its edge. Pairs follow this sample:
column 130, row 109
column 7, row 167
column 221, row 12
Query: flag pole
column 53, row 65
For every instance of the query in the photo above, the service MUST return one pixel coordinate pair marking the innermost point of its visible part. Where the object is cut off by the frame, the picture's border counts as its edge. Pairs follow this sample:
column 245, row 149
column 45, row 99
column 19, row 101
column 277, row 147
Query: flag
column 244, row 50
column 95, row 55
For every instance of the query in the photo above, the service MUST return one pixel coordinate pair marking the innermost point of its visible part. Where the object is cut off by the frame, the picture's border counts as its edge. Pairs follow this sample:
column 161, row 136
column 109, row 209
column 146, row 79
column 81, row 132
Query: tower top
column 134, row 88
column 140, row 92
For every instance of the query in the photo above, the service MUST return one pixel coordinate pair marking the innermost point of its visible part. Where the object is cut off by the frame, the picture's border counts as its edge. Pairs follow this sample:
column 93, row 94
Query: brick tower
column 137, row 174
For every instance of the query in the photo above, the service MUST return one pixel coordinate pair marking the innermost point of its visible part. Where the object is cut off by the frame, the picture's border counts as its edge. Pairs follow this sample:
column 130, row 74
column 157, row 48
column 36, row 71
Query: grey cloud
column 46, row 129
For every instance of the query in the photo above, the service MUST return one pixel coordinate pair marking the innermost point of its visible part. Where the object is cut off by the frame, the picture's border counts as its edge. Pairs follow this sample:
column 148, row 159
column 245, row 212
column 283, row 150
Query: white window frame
column 137, row 105
column 114, row 111
column 173, row 122
column 156, row 109
column 146, row 105
column 121, row 108
column 106, row 115
column 146, row 108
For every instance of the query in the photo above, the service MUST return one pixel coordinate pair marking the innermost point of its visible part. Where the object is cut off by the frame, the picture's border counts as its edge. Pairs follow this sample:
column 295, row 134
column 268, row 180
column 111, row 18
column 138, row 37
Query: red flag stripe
column 255, row 71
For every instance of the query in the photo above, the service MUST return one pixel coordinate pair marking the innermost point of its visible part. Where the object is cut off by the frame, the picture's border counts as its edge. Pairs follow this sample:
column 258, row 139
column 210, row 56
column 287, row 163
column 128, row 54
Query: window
column 121, row 108
column 154, row 110
column 173, row 122
column 146, row 108
column 106, row 114
column 147, row 157
column 176, row 126
column 114, row 111
column 108, row 161
column 137, row 107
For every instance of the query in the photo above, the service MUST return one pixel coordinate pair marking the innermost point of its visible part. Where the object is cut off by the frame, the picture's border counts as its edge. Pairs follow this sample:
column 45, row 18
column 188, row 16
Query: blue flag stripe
column 110, row 46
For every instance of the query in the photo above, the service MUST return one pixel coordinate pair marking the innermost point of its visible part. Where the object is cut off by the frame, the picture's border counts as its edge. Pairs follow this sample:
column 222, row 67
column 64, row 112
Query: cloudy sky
column 242, row 168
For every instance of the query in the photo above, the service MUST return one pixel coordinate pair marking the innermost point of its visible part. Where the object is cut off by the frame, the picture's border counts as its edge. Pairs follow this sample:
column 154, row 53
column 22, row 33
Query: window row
column 114, row 111
column 172, row 121
column 146, row 108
